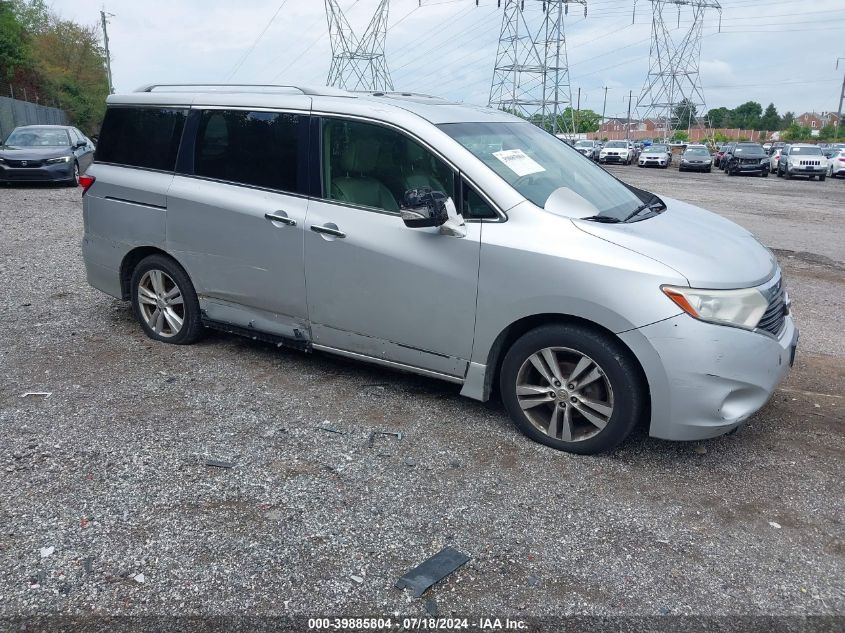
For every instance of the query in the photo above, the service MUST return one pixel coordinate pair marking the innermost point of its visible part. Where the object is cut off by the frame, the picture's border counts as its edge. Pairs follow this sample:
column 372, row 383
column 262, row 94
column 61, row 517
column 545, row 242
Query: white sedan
column 836, row 164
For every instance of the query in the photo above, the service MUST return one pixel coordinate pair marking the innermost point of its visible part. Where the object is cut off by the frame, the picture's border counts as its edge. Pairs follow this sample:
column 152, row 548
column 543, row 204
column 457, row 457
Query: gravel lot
column 106, row 479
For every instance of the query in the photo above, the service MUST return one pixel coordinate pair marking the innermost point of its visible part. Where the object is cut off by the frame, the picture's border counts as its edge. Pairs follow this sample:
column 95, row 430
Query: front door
column 235, row 218
column 376, row 287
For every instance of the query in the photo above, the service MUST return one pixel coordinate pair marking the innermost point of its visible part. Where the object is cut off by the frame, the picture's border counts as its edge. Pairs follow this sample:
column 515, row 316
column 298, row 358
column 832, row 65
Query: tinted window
column 374, row 166
column 474, row 206
column 141, row 137
column 253, row 148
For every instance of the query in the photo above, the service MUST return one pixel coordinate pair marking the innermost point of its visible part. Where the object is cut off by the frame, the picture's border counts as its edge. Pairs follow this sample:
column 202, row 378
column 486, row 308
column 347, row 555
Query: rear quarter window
column 141, row 137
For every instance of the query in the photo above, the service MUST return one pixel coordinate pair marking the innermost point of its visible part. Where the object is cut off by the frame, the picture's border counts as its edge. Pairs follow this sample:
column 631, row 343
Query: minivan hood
column 707, row 249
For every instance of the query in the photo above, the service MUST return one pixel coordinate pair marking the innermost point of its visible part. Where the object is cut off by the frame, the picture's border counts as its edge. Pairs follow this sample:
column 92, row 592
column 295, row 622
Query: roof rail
column 306, row 90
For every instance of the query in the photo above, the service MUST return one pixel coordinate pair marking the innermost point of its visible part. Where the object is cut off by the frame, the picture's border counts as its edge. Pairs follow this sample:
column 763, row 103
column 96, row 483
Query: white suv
column 617, row 152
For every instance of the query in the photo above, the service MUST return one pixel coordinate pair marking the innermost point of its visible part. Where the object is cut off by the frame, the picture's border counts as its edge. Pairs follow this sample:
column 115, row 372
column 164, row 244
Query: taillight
column 842, row 160
column 85, row 182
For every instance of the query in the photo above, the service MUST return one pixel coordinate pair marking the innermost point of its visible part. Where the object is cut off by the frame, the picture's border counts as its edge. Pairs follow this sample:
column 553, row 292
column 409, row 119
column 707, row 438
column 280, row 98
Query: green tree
column 680, row 135
column 684, row 114
column 828, row 133
column 770, row 120
column 787, row 120
column 796, row 132
column 747, row 115
column 719, row 117
column 586, row 121
column 15, row 51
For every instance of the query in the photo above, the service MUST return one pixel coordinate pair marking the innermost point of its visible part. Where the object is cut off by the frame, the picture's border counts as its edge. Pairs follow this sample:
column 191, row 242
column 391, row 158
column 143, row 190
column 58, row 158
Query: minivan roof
column 436, row 110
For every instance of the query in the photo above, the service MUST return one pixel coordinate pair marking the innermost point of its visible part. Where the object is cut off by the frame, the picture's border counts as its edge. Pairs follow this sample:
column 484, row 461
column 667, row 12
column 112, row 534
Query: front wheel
column 165, row 302
column 74, row 179
column 765, row 173
column 821, row 178
column 572, row 388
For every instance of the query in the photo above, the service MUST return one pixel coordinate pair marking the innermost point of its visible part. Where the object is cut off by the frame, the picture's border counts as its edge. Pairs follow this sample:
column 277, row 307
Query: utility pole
column 628, row 132
column 673, row 75
column 604, row 105
column 531, row 71
column 103, row 18
column 358, row 63
column 841, row 94
column 577, row 123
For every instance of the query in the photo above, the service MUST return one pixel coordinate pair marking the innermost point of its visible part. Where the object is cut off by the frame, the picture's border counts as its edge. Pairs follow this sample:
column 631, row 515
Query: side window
column 141, row 137
column 374, row 166
column 474, row 206
column 252, row 148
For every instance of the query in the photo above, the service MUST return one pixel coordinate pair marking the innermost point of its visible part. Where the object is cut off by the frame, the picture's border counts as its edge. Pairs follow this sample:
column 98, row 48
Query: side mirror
column 80, row 144
column 422, row 208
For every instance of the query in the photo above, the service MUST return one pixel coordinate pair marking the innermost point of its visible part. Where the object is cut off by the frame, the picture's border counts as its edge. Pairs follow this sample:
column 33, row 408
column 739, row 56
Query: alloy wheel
column 564, row 394
column 161, row 303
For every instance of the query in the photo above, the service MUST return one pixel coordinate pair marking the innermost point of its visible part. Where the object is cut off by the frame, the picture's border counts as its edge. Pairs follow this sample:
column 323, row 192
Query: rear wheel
column 821, row 178
column 165, row 302
column 572, row 388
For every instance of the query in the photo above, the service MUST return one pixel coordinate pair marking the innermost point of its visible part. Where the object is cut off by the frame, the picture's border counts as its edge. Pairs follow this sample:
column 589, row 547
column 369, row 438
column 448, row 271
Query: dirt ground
column 108, row 507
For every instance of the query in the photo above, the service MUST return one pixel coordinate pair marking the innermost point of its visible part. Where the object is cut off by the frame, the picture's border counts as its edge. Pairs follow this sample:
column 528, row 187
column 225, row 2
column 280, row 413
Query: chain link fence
column 19, row 106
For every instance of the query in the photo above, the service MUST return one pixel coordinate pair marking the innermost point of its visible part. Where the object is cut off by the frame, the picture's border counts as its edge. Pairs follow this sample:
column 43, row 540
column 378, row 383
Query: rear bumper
column 59, row 172
column 705, row 379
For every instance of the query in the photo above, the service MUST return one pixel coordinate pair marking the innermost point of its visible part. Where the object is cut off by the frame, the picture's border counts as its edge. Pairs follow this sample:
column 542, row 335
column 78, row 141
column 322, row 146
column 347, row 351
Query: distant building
column 816, row 120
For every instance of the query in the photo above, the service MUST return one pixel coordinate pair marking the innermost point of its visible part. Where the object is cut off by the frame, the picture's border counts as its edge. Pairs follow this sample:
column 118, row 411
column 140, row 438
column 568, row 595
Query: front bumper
column 706, row 379
column 806, row 170
column 651, row 162
column 750, row 168
column 60, row 172
column 695, row 166
column 613, row 158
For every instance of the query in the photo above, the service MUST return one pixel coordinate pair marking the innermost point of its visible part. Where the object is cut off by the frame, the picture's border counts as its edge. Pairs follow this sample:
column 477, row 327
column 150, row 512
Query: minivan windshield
column 34, row 137
column 536, row 164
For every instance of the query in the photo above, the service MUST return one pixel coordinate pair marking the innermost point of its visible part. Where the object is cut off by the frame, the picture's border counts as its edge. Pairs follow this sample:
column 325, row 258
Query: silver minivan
column 453, row 241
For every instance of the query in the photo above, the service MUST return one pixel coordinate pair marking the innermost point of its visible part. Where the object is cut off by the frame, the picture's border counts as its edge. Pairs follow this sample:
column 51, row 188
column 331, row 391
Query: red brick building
column 816, row 120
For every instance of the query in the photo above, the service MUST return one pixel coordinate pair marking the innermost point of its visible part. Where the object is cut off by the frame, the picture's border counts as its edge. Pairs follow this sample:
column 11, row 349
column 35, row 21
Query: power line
column 244, row 57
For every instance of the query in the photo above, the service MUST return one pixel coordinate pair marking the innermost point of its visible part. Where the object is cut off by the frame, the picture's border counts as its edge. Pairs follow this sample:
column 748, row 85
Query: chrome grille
column 775, row 315
column 809, row 162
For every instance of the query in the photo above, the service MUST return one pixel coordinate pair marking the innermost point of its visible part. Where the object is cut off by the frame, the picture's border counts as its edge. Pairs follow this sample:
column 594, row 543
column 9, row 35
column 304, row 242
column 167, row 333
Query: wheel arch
column 130, row 262
column 513, row 331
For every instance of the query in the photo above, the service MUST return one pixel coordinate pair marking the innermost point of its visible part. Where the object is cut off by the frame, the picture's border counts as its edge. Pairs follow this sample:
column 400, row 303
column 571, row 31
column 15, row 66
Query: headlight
column 60, row 159
column 740, row 308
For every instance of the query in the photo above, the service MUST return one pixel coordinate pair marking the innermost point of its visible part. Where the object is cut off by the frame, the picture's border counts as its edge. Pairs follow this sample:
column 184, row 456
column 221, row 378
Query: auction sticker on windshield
column 518, row 162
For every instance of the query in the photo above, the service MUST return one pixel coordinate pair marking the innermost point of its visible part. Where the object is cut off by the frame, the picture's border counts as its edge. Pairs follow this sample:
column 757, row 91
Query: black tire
column 764, row 173
column 709, row 169
column 191, row 329
column 821, row 178
column 629, row 391
column 787, row 175
column 74, row 181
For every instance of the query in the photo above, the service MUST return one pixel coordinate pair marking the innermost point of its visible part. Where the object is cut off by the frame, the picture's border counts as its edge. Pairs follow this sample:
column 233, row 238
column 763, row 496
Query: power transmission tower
column 358, row 64
column 104, row 18
column 673, row 76
column 531, row 76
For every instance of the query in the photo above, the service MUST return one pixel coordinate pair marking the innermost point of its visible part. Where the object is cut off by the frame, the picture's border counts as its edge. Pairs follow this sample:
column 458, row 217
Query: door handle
column 328, row 230
column 280, row 216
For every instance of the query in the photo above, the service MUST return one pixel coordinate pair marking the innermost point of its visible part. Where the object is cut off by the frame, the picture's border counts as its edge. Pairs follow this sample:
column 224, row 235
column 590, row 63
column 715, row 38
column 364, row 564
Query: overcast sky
column 781, row 51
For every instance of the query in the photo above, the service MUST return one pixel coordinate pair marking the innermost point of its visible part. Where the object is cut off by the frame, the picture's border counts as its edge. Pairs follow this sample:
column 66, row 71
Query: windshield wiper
column 645, row 205
column 606, row 219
